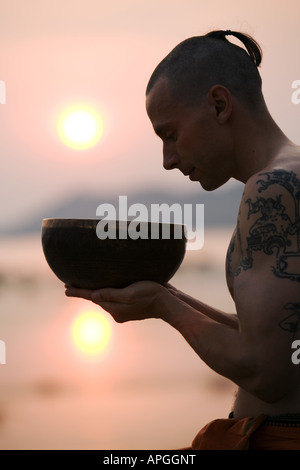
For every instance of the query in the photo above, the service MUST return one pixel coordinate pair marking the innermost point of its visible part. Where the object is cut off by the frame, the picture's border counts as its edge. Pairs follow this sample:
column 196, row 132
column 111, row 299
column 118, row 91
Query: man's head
column 198, row 63
column 197, row 99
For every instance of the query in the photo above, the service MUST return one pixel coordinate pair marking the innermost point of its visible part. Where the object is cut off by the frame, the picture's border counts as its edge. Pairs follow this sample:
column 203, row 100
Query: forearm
column 231, row 352
column 219, row 345
column 211, row 312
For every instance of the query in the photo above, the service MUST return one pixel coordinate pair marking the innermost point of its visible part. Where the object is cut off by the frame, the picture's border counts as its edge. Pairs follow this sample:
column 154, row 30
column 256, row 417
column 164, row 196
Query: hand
column 141, row 300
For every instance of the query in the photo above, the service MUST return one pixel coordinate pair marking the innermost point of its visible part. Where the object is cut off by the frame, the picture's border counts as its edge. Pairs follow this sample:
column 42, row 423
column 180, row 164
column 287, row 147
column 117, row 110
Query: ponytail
column 253, row 48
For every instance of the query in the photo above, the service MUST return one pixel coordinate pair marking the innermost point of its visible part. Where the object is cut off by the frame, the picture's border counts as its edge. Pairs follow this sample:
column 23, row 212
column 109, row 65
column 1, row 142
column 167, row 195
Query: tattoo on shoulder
column 275, row 229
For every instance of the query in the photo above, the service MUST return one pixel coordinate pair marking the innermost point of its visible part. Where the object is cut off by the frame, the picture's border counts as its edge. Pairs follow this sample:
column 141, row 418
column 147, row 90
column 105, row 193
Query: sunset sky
column 73, row 75
column 59, row 54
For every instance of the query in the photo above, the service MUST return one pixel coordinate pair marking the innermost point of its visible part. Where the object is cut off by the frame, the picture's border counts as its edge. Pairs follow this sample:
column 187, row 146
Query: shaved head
column 200, row 62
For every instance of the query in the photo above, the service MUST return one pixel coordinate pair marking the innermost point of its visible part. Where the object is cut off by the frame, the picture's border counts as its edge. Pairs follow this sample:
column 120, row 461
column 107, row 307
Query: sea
column 147, row 390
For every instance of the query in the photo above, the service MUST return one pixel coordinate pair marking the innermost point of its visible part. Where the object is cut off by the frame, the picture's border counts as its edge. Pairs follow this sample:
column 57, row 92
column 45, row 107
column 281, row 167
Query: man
column 205, row 102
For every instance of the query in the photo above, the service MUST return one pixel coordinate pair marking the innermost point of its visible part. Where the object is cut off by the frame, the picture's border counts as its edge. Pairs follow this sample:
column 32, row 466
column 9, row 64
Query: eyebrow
column 160, row 129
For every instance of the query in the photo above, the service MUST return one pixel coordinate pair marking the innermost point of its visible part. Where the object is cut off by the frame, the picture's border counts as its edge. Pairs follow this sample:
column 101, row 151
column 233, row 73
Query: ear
column 220, row 99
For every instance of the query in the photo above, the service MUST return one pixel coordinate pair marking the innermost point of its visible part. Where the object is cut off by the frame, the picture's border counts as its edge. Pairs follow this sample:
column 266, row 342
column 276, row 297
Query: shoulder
column 272, row 196
column 282, row 174
column 271, row 190
column 275, row 180
column 269, row 222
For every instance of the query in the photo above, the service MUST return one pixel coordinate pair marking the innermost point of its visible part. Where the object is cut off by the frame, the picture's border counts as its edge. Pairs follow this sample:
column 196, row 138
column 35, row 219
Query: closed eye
column 165, row 135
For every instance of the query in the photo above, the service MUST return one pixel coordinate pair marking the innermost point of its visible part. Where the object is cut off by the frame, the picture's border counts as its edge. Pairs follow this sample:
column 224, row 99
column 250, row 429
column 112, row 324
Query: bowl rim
column 81, row 222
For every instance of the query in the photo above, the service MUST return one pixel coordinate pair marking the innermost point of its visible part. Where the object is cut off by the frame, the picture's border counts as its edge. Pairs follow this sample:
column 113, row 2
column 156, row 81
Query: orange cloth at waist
column 246, row 434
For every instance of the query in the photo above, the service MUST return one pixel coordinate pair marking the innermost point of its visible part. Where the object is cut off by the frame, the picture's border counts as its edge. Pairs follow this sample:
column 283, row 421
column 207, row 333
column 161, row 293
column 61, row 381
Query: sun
column 91, row 332
column 80, row 127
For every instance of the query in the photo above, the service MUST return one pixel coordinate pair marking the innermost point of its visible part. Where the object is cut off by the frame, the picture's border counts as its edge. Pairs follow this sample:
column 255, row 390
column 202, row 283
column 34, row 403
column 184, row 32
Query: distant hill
column 220, row 207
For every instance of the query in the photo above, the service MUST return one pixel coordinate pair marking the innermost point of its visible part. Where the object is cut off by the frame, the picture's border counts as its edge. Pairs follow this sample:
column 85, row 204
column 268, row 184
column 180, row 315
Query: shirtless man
column 205, row 102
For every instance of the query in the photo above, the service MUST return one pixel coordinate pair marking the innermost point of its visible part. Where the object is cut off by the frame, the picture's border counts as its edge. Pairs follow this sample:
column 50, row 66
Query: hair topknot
column 253, row 48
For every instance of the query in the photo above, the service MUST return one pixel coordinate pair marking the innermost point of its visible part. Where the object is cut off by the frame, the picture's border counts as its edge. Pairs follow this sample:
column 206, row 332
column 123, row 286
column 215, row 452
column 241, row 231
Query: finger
column 75, row 292
column 172, row 290
column 105, row 295
column 170, row 287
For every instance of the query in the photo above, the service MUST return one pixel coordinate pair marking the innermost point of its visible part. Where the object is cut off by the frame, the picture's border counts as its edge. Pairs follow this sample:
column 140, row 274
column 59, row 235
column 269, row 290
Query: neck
column 260, row 141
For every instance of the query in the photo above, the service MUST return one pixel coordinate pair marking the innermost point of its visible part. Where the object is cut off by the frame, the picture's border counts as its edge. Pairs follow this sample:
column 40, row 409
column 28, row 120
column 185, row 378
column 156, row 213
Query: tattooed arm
column 266, row 283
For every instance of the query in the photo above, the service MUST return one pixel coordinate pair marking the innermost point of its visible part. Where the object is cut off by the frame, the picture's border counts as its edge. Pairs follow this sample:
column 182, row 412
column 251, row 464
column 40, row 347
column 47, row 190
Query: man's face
column 193, row 141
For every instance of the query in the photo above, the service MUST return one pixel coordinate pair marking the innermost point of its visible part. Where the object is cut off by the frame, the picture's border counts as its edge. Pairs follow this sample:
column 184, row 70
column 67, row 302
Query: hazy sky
column 54, row 54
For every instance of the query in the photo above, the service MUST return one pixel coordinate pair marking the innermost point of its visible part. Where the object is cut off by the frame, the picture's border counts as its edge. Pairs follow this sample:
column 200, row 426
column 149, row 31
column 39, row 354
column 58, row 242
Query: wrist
column 173, row 310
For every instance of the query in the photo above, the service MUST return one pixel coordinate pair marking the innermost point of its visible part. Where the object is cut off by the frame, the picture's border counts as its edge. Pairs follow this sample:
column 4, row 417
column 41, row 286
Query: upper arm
column 267, row 279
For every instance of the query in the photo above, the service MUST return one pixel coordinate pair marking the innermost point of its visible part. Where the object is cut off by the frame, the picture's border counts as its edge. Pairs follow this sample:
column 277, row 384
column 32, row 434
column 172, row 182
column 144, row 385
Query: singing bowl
column 79, row 258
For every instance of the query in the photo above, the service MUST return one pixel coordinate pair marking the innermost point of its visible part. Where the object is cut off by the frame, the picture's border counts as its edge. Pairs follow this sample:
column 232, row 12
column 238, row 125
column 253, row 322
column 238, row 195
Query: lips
column 193, row 175
column 188, row 173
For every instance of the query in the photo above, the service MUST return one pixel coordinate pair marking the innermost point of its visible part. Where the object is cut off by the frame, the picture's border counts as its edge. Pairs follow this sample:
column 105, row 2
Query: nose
column 170, row 157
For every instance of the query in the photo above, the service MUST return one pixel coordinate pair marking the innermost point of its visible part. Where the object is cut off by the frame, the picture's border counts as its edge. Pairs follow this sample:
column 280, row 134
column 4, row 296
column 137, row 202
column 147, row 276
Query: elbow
column 270, row 379
column 270, row 396
column 272, row 389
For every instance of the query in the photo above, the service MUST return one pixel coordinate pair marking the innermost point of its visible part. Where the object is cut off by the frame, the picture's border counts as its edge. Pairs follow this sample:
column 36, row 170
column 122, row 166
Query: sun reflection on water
column 91, row 332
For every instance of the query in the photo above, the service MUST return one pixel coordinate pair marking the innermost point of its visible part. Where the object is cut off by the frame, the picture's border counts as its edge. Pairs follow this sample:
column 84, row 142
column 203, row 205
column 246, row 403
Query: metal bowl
column 83, row 253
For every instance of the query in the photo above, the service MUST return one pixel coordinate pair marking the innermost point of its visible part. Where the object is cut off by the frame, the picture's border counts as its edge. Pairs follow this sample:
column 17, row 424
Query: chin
column 209, row 186
column 212, row 185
